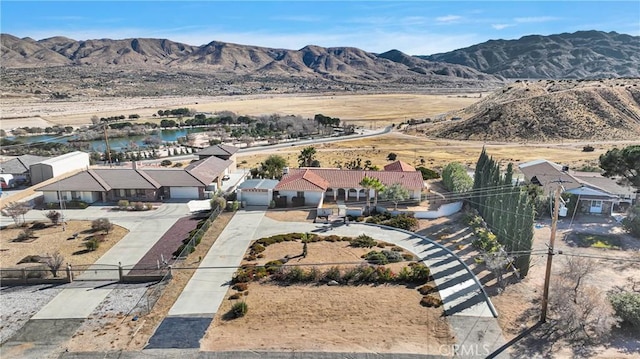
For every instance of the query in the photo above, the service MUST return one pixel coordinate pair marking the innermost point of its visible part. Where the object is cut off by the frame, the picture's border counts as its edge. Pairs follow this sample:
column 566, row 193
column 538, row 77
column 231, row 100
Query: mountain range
column 578, row 55
column 335, row 64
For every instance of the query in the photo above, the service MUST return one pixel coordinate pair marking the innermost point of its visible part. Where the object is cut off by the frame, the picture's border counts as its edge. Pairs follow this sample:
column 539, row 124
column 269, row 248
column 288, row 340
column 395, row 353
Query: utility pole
column 106, row 139
column 552, row 239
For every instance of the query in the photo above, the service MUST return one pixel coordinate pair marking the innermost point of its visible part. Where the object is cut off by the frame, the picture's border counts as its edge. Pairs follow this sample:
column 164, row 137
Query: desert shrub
column 260, row 255
column 239, row 309
column 486, row 241
column 241, row 287
column 138, row 206
column 54, row 262
column 257, row 248
column 39, row 225
column 397, row 249
column 392, row 257
column 430, row 301
column 380, row 245
column 359, row 219
column 101, row 224
column 148, row 206
column 250, row 258
column 632, row 222
column 273, row 266
column 76, row 204
column 385, row 275
column 414, row 273
column 375, row 257
column 426, row 289
column 627, row 307
column 54, row 216
column 332, row 273
column 92, row 244
column 165, row 163
column 25, row 234
column 332, row 238
column 407, row 256
column 123, row 204
column 235, row 296
column 588, row 148
column 405, row 221
column 38, row 272
column 218, row 202
column 363, row 241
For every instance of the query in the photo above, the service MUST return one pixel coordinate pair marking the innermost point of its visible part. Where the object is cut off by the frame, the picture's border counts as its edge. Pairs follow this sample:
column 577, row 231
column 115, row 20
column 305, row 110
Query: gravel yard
column 18, row 304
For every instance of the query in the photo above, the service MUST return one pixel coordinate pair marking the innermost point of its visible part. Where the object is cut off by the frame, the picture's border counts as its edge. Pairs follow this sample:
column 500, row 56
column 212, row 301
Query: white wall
column 58, row 165
column 443, row 211
column 311, row 198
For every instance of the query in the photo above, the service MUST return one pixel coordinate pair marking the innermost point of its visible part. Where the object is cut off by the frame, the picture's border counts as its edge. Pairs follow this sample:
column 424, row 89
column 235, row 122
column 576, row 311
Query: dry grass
column 366, row 318
column 366, row 110
column 436, row 153
column 129, row 335
column 53, row 238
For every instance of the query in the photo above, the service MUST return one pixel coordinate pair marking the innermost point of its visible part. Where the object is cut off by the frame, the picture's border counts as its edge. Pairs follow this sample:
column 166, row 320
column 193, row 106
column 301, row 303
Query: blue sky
column 414, row 27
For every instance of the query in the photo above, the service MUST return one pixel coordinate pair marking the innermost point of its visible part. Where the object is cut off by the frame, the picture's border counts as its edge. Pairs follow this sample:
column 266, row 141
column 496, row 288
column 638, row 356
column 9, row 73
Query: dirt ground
column 519, row 304
column 369, row 110
column 53, row 238
column 121, row 333
column 367, row 318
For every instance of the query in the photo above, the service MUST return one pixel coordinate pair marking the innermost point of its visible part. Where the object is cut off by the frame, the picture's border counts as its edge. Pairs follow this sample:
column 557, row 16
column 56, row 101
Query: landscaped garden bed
column 329, row 293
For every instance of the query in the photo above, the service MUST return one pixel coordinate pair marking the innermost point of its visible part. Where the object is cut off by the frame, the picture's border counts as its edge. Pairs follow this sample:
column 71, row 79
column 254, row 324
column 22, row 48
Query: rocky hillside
column 547, row 110
column 579, row 55
column 340, row 64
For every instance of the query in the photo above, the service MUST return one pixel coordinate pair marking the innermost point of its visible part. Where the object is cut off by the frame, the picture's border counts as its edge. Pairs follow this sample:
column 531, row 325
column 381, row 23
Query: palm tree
column 307, row 157
column 370, row 183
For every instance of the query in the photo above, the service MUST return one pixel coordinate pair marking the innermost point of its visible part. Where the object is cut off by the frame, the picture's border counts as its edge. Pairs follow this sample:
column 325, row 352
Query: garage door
column 255, row 198
column 184, row 192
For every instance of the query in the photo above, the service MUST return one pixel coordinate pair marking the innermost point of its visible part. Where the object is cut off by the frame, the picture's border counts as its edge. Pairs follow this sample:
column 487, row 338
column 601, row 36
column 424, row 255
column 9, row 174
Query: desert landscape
column 569, row 98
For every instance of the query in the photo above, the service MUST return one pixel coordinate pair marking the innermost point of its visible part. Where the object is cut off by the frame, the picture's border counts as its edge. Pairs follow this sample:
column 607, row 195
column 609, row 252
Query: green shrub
column 455, row 178
column 257, row 248
column 92, row 244
column 332, row 273
column 375, row 257
column 123, row 204
column 427, row 173
column 392, row 257
column 239, row 309
column 363, row 241
column 218, row 202
column 273, row 266
column 486, row 241
column 627, row 307
column 165, row 163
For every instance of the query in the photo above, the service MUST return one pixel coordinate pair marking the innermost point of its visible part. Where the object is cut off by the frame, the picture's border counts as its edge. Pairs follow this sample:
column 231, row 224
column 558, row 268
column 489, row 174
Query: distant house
column 311, row 186
column 19, row 167
column 134, row 184
column 596, row 194
column 224, row 152
column 57, row 166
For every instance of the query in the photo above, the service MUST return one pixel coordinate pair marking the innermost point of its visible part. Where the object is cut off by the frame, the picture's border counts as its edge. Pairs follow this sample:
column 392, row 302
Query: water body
column 116, row 144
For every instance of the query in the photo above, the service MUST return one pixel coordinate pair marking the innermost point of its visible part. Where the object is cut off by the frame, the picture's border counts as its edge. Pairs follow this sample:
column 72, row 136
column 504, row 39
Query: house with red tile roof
column 312, row 185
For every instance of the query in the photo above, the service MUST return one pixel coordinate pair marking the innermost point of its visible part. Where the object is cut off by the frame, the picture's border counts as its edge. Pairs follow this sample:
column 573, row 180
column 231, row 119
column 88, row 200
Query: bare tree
column 578, row 311
column 16, row 210
column 54, row 262
column 101, row 224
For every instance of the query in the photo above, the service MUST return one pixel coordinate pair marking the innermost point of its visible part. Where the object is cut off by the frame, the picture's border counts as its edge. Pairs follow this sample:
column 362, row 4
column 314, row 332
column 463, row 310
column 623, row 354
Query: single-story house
column 595, row 194
column 256, row 192
column 134, row 184
column 57, row 166
column 224, row 152
column 19, row 167
column 310, row 186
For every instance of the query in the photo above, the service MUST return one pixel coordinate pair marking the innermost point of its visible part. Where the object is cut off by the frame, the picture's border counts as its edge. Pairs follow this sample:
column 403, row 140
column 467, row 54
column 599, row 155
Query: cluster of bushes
column 74, row 204
column 363, row 241
column 485, row 240
column 386, row 256
column 92, row 244
column 428, row 173
column 405, row 221
column 194, row 238
column 414, row 273
column 125, row 205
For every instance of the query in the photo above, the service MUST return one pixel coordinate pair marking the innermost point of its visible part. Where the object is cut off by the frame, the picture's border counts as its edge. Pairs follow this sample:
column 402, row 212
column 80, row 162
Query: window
column 127, row 192
column 75, row 195
column 300, row 194
column 140, row 193
column 596, row 204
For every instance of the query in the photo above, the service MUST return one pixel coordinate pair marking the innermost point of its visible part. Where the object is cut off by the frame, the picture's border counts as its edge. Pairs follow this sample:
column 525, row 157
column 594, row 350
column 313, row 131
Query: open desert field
column 437, row 153
column 375, row 110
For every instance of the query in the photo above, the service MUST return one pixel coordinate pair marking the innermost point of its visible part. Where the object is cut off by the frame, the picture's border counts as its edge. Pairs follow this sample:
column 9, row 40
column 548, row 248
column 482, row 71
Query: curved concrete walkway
column 477, row 331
